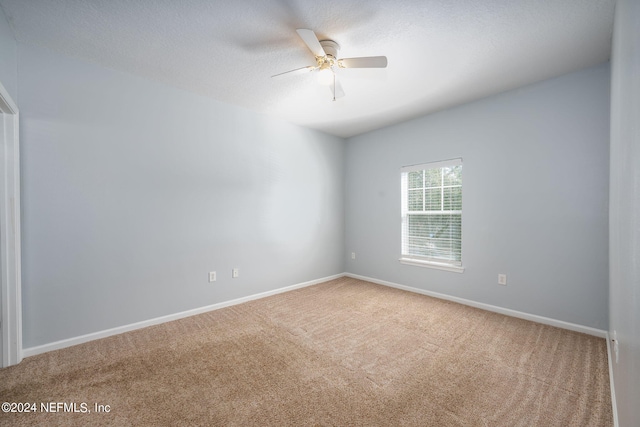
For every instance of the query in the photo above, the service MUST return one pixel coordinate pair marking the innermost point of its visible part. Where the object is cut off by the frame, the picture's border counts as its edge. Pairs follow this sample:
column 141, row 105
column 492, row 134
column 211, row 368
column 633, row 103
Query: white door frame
column 10, row 262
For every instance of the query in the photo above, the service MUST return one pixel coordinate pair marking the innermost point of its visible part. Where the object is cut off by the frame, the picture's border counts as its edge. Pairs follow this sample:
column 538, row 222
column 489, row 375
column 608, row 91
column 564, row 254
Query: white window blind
column 432, row 213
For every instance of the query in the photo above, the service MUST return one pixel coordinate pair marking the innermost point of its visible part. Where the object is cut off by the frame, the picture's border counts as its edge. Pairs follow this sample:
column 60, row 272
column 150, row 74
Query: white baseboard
column 614, row 407
column 32, row 351
column 506, row 311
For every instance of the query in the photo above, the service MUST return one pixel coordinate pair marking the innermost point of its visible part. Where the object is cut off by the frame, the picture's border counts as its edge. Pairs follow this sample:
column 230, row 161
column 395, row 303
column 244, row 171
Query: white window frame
column 405, row 257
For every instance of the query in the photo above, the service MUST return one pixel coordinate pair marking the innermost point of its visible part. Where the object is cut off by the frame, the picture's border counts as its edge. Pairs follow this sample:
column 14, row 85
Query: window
column 432, row 215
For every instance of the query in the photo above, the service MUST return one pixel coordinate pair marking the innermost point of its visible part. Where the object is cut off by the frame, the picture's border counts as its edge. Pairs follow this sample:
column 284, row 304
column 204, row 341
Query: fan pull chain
column 334, row 85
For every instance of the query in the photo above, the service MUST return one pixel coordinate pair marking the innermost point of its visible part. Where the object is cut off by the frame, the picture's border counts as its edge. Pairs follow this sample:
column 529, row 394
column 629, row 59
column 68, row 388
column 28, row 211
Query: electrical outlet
column 502, row 279
column 212, row 276
column 353, row 255
column 235, row 273
column 616, row 348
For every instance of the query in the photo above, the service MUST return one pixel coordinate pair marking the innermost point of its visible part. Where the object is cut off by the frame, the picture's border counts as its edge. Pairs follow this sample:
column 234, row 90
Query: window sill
column 434, row 265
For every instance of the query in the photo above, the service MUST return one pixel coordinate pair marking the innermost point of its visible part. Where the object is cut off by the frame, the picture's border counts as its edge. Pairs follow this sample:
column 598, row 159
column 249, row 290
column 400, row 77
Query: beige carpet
column 341, row 353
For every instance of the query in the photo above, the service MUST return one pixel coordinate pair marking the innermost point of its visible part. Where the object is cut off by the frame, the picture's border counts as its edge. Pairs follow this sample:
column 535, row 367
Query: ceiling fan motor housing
column 330, row 47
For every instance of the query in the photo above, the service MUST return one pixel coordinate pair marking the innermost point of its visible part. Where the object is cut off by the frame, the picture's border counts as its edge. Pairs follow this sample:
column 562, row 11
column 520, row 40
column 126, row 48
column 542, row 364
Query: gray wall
column 624, row 213
column 8, row 58
column 133, row 191
column 535, row 198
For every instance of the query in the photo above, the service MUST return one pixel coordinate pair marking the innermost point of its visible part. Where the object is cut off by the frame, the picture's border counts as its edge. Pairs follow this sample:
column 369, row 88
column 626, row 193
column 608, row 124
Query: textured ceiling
column 441, row 52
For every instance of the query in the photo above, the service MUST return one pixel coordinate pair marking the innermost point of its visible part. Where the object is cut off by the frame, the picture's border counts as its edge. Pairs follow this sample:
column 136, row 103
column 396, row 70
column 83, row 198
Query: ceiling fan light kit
column 326, row 54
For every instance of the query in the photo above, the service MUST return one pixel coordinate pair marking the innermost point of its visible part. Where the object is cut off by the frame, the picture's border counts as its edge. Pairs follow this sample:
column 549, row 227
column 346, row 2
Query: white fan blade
column 336, row 89
column 297, row 71
column 363, row 62
column 310, row 39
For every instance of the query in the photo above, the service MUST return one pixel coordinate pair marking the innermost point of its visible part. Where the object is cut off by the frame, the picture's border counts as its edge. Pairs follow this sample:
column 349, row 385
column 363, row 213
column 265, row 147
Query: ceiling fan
column 327, row 61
